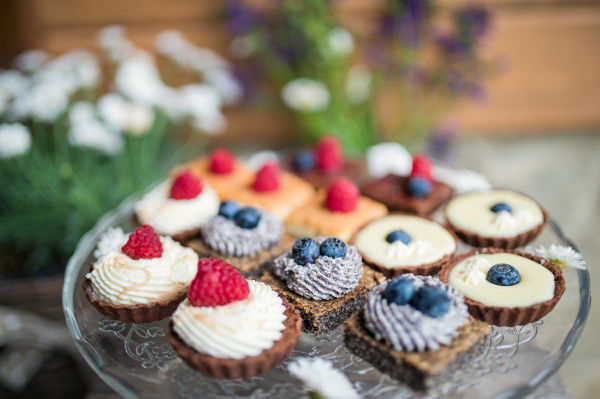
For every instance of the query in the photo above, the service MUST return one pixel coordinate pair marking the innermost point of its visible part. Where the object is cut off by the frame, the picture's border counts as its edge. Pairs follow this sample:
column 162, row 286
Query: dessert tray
column 138, row 361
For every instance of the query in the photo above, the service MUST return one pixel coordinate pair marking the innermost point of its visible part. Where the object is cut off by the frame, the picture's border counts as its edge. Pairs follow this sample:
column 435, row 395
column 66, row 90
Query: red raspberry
column 217, row 283
column 221, row 161
column 421, row 167
column 342, row 195
column 267, row 178
column 330, row 157
column 144, row 243
column 186, row 186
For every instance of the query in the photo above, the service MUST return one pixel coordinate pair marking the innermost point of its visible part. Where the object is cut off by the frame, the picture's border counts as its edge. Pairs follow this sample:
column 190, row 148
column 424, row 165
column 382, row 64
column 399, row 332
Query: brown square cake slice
column 421, row 371
column 322, row 316
column 249, row 266
column 391, row 190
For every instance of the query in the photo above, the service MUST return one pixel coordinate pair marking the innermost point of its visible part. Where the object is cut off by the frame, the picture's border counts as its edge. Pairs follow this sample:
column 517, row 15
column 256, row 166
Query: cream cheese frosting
column 234, row 331
column 536, row 285
column 472, row 212
column 169, row 217
column 119, row 279
column 408, row 329
column 430, row 241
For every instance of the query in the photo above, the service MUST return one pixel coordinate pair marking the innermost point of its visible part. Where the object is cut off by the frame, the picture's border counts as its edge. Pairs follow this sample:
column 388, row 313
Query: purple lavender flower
column 442, row 141
column 241, row 18
column 473, row 22
column 454, row 46
column 406, row 20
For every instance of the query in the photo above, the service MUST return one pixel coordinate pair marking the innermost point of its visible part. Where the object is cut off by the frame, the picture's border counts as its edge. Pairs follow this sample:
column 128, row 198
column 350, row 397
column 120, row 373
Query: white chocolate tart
column 431, row 245
column 471, row 218
column 533, row 297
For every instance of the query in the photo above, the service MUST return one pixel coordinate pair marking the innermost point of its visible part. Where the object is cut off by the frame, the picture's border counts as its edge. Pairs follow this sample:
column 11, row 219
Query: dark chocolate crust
column 353, row 169
column 181, row 237
column 136, row 313
column 321, row 316
column 247, row 367
column 391, row 190
column 510, row 317
column 478, row 241
column 249, row 266
column 429, row 269
column 420, row 371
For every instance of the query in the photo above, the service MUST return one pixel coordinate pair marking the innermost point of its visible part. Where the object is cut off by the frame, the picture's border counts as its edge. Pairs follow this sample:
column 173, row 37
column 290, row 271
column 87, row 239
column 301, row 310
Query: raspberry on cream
column 226, row 316
column 121, row 280
column 170, row 216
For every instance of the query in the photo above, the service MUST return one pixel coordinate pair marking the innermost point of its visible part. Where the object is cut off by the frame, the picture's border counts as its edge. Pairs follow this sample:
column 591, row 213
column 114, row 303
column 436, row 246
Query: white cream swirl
column 475, row 271
column 236, row 330
column 118, row 279
column 505, row 220
column 169, row 217
column 400, row 250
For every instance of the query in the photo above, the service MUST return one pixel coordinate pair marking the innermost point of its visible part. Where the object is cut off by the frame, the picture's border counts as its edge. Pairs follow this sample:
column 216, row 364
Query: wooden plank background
column 552, row 83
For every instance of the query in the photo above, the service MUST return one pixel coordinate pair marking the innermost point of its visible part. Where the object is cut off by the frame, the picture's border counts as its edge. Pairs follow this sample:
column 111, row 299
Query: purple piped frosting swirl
column 223, row 235
column 407, row 329
column 327, row 278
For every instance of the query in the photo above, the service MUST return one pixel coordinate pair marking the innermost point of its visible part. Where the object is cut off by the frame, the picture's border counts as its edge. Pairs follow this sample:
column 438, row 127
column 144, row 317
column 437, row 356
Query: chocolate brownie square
column 322, row 316
column 392, row 190
column 249, row 266
column 422, row 371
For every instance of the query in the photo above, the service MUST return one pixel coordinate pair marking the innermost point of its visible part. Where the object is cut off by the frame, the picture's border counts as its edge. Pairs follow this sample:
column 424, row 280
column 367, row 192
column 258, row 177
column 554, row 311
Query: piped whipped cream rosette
column 318, row 273
column 230, row 327
column 179, row 206
column 414, row 313
column 143, row 280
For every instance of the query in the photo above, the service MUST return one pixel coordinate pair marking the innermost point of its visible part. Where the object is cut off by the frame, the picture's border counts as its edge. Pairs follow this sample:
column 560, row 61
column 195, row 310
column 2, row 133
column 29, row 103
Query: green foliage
column 54, row 194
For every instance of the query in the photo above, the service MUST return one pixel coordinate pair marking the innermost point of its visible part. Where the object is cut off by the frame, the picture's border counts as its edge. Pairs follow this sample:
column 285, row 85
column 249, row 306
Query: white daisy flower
column 110, row 240
column 340, row 41
column 15, row 140
column 306, row 95
column 562, row 256
column 322, row 379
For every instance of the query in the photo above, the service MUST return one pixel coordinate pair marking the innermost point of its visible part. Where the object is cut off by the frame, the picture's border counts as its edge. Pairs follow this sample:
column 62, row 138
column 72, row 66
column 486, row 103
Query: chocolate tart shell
column 249, row 366
column 182, row 237
column 429, row 269
column 136, row 313
column 510, row 317
column 478, row 241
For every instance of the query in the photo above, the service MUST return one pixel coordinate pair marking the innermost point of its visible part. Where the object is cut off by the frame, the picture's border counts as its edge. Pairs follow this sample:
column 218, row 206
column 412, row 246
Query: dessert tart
column 401, row 243
column 277, row 191
column 325, row 163
column 178, row 207
column 338, row 212
column 325, row 279
column 495, row 218
column 418, row 193
column 416, row 329
column 142, row 281
column 505, row 287
column 248, row 238
column 222, row 171
column 229, row 327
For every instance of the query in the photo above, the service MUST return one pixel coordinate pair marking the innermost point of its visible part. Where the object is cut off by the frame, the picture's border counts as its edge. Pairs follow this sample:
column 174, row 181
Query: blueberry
column 399, row 291
column 334, row 247
column 419, row 187
column 229, row 209
column 432, row 301
column 247, row 218
column 398, row 235
column 305, row 250
column 501, row 207
column 304, row 160
column 503, row 274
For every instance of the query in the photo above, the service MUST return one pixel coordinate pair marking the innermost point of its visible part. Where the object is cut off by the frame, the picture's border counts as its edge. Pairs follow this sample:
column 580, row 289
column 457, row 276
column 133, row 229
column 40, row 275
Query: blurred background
column 100, row 99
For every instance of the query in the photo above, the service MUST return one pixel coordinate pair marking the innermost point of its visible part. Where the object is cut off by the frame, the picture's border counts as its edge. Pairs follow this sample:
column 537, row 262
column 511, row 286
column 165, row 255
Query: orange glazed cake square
column 230, row 176
column 315, row 219
column 291, row 194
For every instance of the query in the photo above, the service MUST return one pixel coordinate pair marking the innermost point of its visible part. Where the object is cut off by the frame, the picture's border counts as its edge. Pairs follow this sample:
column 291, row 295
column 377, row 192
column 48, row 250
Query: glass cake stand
column 138, row 361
